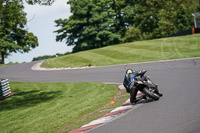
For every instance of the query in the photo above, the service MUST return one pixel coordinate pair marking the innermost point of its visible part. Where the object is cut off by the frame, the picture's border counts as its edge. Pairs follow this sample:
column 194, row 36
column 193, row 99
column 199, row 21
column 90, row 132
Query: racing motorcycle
column 147, row 87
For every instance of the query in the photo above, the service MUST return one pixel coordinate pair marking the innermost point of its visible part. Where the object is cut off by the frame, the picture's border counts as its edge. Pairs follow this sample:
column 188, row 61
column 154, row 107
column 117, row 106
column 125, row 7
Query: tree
column 13, row 35
column 98, row 23
column 41, row 2
column 160, row 18
column 90, row 26
column 132, row 34
column 124, row 14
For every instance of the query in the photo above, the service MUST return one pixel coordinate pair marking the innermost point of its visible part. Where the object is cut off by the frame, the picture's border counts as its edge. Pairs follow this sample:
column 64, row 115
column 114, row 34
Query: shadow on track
column 142, row 101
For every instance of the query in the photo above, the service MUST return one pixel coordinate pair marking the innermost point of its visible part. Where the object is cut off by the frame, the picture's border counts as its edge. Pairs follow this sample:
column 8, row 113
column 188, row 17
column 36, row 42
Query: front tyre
column 150, row 94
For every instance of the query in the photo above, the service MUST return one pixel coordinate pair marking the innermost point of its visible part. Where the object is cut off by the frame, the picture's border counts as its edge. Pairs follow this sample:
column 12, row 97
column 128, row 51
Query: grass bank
column 141, row 51
column 54, row 107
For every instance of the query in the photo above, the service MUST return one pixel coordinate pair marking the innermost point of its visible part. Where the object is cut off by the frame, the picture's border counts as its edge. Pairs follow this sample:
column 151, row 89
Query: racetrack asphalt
column 178, row 111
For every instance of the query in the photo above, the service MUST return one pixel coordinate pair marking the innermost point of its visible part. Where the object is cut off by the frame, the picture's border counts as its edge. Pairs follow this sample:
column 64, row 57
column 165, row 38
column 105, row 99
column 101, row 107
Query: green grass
column 8, row 64
column 141, row 51
column 54, row 107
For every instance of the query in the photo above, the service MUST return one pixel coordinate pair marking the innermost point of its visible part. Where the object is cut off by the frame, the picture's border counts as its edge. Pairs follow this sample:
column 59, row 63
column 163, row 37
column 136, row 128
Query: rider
column 129, row 83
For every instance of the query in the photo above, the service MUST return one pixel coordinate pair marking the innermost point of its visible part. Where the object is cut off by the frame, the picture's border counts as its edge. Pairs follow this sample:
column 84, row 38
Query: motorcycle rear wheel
column 150, row 94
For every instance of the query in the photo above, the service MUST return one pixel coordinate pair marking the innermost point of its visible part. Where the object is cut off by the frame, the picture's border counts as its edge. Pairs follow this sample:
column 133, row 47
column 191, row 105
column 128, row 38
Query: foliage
column 159, row 18
column 43, row 57
column 98, row 23
column 198, row 5
column 13, row 35
column 132, row 34
column 49, row 56
column 90, row 26
column 41, row 2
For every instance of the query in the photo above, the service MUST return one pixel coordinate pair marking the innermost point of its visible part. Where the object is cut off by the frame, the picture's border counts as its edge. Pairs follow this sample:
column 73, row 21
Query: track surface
column 178, row 111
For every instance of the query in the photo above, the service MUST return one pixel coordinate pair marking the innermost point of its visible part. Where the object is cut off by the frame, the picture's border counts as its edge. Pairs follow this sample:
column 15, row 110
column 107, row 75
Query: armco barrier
column 4, row 88
column 186, row 32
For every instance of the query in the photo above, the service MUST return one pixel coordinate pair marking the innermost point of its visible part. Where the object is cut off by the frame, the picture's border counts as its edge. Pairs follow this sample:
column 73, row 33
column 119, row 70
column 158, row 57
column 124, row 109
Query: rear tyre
column 150, row 94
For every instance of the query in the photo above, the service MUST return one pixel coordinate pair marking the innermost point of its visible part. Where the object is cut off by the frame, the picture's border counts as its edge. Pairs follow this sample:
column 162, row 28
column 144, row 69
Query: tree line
column 99, row 23
column 49, row 56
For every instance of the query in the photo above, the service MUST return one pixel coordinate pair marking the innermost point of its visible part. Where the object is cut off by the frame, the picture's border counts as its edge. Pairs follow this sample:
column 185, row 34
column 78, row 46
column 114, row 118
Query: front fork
column 152, row 87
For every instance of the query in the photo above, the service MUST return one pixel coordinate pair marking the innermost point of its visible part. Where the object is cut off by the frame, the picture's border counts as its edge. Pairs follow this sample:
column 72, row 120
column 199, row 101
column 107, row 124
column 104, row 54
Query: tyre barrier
column 4, row 88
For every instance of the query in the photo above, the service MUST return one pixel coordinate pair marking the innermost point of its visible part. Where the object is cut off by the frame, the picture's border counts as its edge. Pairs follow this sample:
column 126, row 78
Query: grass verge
column 141, row 51
column 8, row 64
column 55, row 107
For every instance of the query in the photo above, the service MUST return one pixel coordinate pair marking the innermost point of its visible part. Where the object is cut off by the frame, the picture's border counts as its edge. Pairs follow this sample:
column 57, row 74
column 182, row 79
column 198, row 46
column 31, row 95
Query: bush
column 132, row 34
column 49, row 56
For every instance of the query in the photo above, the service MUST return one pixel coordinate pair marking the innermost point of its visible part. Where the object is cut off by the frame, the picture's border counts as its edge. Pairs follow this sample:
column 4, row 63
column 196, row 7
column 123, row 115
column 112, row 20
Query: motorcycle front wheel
column 150, row 94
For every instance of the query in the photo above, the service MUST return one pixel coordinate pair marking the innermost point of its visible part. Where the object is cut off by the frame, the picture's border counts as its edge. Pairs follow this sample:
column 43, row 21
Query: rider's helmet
column 128, row 71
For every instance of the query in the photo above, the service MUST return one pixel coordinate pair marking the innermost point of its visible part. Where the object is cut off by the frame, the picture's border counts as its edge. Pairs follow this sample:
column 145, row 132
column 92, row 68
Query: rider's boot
column 134, row 101
column 144, row 97
column 160, row 94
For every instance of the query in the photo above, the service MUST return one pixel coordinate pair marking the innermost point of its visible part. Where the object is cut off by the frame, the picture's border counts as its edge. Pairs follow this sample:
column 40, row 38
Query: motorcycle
column 147, row 87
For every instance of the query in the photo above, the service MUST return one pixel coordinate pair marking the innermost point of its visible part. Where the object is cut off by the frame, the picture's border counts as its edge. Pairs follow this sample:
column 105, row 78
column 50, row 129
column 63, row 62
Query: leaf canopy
column 13, row 33
column 98, row 23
